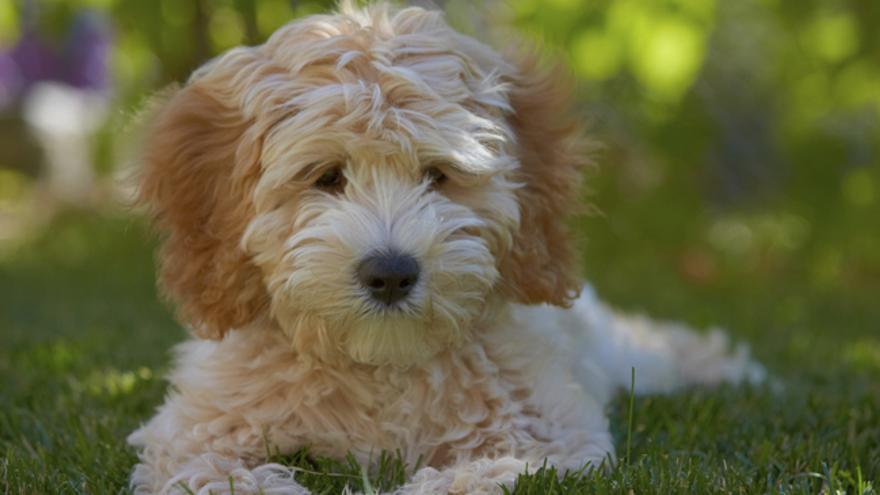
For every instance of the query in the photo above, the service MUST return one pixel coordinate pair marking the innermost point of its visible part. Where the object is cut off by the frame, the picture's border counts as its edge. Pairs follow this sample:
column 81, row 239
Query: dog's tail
column 666, row 356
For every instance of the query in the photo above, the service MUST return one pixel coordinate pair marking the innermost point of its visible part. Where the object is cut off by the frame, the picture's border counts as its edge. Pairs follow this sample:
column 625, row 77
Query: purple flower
column 82, row 62
column 11, row 83
column 36, row 60
column 86, row 54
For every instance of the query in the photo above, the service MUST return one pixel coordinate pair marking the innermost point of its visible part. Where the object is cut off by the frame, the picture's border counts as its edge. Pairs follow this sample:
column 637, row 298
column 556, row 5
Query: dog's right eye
column 332, row 180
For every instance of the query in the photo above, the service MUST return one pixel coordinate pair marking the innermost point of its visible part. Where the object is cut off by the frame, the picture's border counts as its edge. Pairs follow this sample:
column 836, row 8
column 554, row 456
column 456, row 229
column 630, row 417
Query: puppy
column 363, row 226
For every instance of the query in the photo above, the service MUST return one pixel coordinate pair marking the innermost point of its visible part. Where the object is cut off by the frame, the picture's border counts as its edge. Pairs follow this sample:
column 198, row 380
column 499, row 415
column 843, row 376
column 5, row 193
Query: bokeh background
column 739, row 184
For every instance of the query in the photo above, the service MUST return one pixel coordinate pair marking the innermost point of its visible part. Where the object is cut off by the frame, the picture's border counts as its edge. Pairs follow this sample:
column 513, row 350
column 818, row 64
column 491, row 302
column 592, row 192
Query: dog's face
column 369, row 183
column 381, row 213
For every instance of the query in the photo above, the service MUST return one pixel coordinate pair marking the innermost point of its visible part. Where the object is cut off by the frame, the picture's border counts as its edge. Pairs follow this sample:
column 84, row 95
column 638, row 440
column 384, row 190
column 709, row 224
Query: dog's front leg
column 216, row 428
column 478, row 477
column 212, row 474
column 178, row 456
column 589, row 445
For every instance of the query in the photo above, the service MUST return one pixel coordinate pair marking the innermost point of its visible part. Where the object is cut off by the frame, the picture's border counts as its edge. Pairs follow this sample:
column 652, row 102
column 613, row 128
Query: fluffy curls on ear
column 200, row 164
column 542, row 267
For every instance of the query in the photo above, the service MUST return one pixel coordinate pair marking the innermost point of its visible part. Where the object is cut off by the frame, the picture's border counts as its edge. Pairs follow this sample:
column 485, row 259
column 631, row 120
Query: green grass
column 85, row 343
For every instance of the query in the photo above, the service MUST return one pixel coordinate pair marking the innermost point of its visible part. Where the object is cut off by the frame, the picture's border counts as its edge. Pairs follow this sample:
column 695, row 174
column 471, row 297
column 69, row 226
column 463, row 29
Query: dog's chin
column 358, row 329
column 408, row 334
column 389, row 337
column 395, row 339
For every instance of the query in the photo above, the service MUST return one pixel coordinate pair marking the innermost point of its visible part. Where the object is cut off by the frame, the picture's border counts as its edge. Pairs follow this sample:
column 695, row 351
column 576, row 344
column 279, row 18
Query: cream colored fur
column 290, row 352
column 531, row 387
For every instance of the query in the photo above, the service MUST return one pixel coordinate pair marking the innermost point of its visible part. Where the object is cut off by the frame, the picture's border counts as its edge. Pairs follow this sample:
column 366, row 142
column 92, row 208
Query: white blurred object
column 64, row 120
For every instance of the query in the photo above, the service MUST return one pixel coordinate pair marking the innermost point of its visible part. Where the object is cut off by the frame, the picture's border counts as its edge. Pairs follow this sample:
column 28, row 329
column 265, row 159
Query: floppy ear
column 200, row 166
column 542, row 266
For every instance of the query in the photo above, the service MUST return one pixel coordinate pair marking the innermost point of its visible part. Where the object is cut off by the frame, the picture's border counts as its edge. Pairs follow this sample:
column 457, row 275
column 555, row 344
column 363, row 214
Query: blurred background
column 739, row 184
column 741, row 157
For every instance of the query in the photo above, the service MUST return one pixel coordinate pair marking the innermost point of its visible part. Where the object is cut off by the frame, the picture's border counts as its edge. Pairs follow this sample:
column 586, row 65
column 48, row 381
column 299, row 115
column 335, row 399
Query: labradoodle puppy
column 363, row 226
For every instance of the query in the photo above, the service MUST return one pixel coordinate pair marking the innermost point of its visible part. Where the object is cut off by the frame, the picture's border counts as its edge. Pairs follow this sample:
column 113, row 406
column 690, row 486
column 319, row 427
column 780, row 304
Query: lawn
column 85, row 344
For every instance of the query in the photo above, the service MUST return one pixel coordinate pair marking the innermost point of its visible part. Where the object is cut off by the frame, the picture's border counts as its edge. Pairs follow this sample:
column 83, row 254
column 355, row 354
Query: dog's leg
column 174, row 461
column 479, row 477
column 211, row 474
column 566, row 450
column 211, row 435
column 666, row 356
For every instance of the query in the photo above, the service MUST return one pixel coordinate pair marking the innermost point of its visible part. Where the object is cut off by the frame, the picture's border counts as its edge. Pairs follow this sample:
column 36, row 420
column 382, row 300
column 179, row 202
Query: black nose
column 388, row 276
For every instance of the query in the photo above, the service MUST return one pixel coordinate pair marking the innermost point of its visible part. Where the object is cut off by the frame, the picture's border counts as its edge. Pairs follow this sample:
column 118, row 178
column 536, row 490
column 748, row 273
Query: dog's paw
column 214, row 475
column 480, row 477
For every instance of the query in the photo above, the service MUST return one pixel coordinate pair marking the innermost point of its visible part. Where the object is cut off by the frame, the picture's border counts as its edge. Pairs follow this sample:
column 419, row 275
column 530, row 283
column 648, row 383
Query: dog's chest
column 459, row 401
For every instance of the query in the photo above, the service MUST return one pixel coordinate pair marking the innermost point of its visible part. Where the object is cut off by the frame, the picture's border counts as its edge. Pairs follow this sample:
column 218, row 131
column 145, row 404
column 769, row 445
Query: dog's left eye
column 436, row 176
column 331, row 180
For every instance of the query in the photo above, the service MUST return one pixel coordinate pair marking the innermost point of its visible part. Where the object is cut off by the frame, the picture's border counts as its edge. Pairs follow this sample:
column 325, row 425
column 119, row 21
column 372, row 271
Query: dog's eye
column 332, row 180
column 436, row 176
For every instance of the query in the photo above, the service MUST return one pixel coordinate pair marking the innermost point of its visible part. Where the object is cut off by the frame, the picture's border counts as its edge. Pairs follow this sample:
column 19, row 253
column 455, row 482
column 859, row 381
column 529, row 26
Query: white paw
column 480, row 477
column 215, row 475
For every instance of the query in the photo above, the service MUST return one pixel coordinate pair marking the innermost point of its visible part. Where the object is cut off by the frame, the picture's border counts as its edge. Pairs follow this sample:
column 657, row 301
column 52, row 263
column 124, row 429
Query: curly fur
column 493, row 363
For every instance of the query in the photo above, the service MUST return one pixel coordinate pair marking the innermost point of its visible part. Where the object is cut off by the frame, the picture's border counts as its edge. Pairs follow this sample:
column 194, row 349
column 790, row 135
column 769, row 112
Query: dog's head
column 371, row 182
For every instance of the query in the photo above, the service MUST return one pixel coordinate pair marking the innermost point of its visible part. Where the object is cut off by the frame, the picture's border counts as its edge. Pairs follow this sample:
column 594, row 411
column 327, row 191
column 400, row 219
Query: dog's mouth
column 396, row 310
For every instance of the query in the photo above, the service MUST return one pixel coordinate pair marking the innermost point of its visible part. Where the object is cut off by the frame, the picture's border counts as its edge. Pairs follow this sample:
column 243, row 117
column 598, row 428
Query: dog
column 363, row 227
